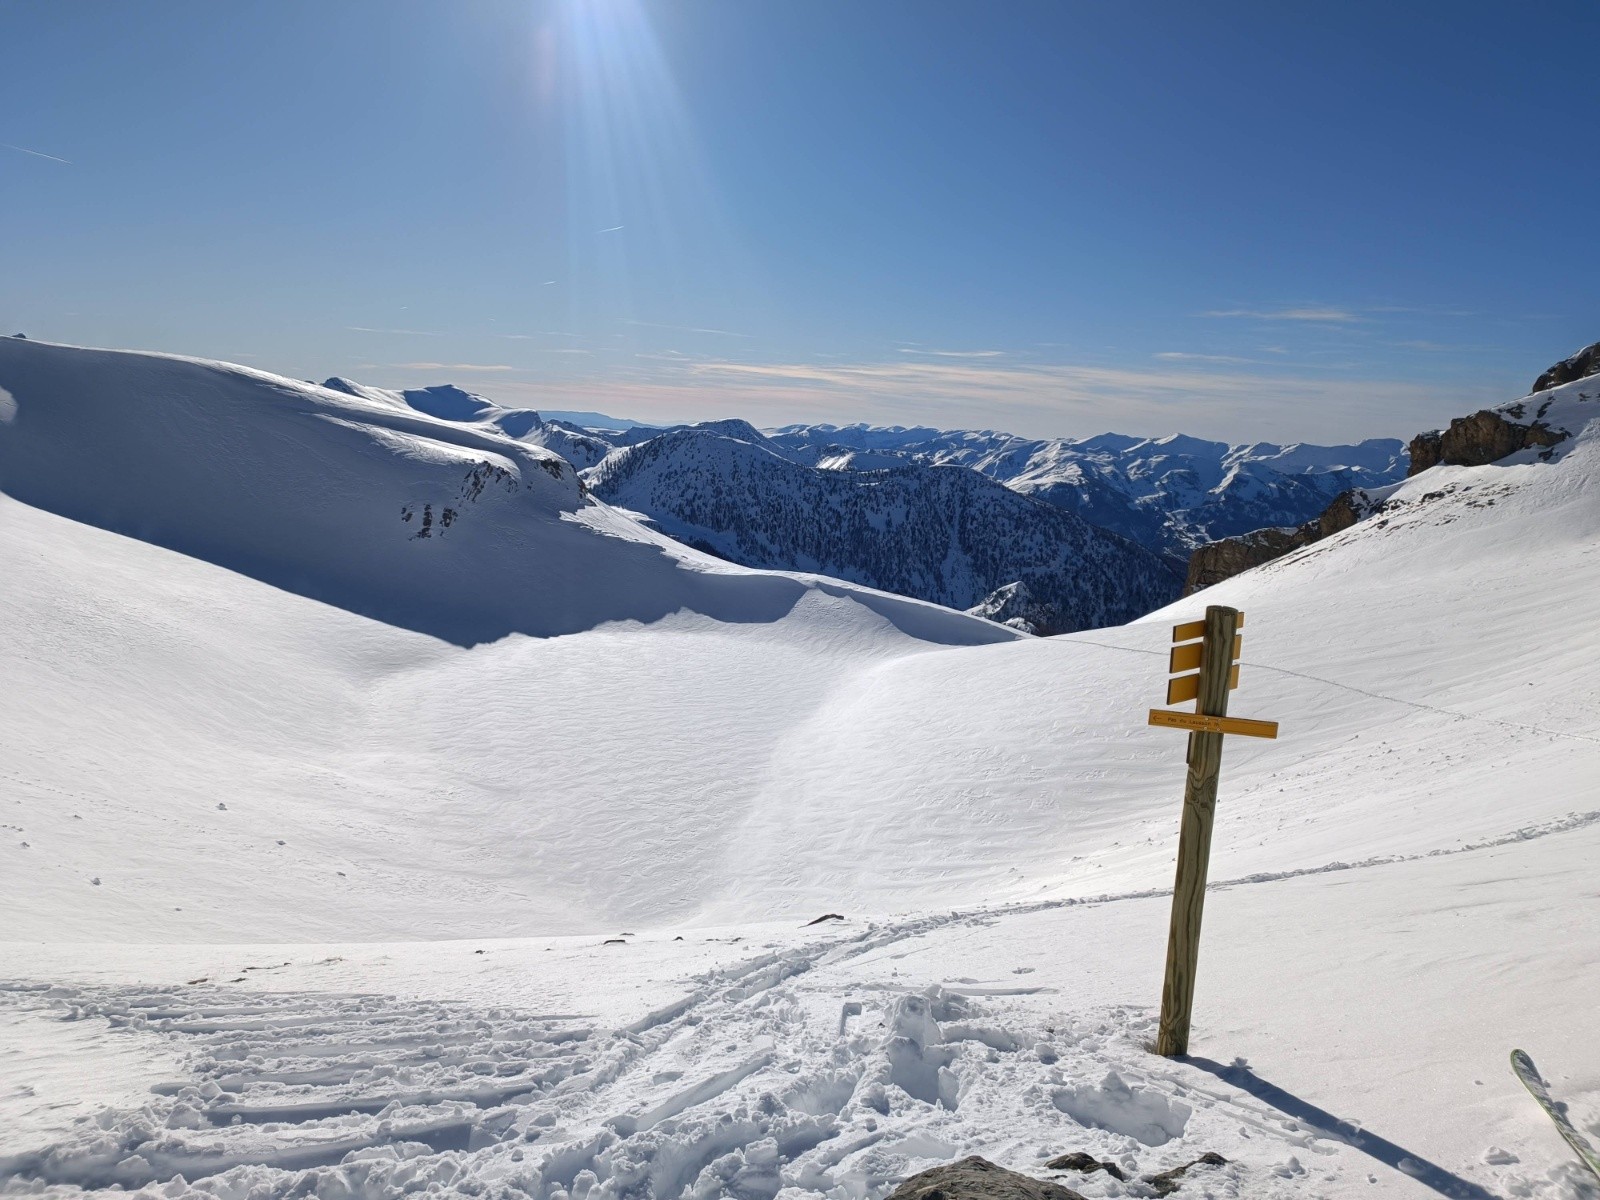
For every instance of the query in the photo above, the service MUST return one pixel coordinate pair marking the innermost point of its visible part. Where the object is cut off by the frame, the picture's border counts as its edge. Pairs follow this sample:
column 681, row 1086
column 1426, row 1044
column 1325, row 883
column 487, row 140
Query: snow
column 1404, row 880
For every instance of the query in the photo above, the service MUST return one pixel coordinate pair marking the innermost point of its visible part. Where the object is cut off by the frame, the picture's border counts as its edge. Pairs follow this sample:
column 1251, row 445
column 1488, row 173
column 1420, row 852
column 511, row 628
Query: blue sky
column 1240, row 220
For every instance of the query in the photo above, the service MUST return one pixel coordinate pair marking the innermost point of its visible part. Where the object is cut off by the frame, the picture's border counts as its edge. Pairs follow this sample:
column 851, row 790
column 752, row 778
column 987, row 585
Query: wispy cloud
column 957, row 353
column 1042, row 399
column 401, row 332
column 687, row 329
column 1185, row 356
column 611, row 229
column 1335, row 316
column 435, row 366
column 1423, row 310
column 36, row 153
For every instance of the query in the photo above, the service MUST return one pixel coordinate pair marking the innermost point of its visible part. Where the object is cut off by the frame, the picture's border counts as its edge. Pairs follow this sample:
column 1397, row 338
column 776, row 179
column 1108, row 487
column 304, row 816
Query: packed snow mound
column 939, row 533
column 456, row 529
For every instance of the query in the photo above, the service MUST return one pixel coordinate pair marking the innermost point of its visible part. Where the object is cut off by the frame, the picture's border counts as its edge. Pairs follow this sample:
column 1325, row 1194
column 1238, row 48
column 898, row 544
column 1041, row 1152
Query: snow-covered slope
column 451, row 403
column 460, row 531
column 761, row 743
column 1170, row 494
column 1405, row 878
column 940, row 533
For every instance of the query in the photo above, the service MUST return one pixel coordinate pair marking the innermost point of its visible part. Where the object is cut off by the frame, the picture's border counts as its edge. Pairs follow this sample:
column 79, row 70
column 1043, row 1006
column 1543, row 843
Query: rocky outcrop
column 977, row 1178
column 1584, row 363
column 1490, row 435
column 1474, row 441
column 1219, row 560
column 1484, row 437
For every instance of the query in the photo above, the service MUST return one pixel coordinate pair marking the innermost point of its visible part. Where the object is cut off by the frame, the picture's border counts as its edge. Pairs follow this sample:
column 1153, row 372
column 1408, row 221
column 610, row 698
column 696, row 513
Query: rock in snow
column 975, row 1178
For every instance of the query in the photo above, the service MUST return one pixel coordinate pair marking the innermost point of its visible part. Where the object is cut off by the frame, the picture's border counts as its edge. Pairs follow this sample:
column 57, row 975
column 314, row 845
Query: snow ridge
column 465, row 529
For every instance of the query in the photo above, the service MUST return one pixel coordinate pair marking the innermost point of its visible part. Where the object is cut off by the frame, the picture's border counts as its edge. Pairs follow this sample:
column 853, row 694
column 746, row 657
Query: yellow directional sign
column 1187, row 658
column 1187, row 687
column 1209, row 649
column 1198, row 723
column 1190, row 630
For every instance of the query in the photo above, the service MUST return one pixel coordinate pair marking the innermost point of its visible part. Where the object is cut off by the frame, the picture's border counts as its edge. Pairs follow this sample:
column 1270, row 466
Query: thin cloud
column 1336, row 316
column 611, row 229
column 36, row 153
column 1046, row 399
column 1185, row 356
column 402, row 332
column 1421, row 310
column 434, row 366
column 687, row 329
column 958, row 353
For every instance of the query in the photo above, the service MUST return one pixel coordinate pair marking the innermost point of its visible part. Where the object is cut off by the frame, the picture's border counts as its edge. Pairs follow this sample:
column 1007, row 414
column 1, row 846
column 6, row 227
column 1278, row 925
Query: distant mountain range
column 1044, row 535
column 1169, row 494
column 936, row 532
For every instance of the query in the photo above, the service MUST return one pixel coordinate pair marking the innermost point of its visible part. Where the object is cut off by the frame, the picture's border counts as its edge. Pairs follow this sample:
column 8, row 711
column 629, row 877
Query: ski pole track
column 766, row 1075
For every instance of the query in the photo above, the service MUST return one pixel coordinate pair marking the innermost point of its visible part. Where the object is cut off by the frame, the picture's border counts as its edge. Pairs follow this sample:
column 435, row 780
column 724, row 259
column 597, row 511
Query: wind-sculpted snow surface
column 943, row 534
column 1169, row 494
column 360, row 498
column 1403, row 890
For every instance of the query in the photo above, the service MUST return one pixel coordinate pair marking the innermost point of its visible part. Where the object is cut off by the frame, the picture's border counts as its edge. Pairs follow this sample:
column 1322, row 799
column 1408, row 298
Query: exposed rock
column 1167, row 1181
column 1224, row 559
column 979, row 1179
column 1584, row 363
column 1216, row 561
column 1474, row 441
column 1087, row 1163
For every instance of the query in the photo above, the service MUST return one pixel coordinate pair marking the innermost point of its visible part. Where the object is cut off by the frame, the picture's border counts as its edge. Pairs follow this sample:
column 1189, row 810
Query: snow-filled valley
column 345, row 861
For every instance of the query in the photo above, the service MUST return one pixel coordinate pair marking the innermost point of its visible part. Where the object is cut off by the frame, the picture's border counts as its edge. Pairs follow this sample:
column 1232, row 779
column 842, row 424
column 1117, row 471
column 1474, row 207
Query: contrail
column 612, row 229
column 36, row 153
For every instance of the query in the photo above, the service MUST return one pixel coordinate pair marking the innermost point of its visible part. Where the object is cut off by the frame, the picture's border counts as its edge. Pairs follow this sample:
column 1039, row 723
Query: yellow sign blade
column 1195, row 723
column 1187, row 658
column 1190, row 630
column 1187, row 687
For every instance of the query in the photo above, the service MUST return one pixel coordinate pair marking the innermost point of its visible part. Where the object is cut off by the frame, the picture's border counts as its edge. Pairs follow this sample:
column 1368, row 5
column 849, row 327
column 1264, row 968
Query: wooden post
column 1194, row 839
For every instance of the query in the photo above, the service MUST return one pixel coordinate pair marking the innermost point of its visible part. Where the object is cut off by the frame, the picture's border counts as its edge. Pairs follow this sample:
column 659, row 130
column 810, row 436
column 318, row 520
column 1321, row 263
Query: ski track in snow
column 759, row 1079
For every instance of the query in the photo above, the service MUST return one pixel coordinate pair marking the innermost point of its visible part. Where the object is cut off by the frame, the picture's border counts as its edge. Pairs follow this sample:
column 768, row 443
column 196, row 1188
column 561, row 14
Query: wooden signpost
column 1210, row 649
